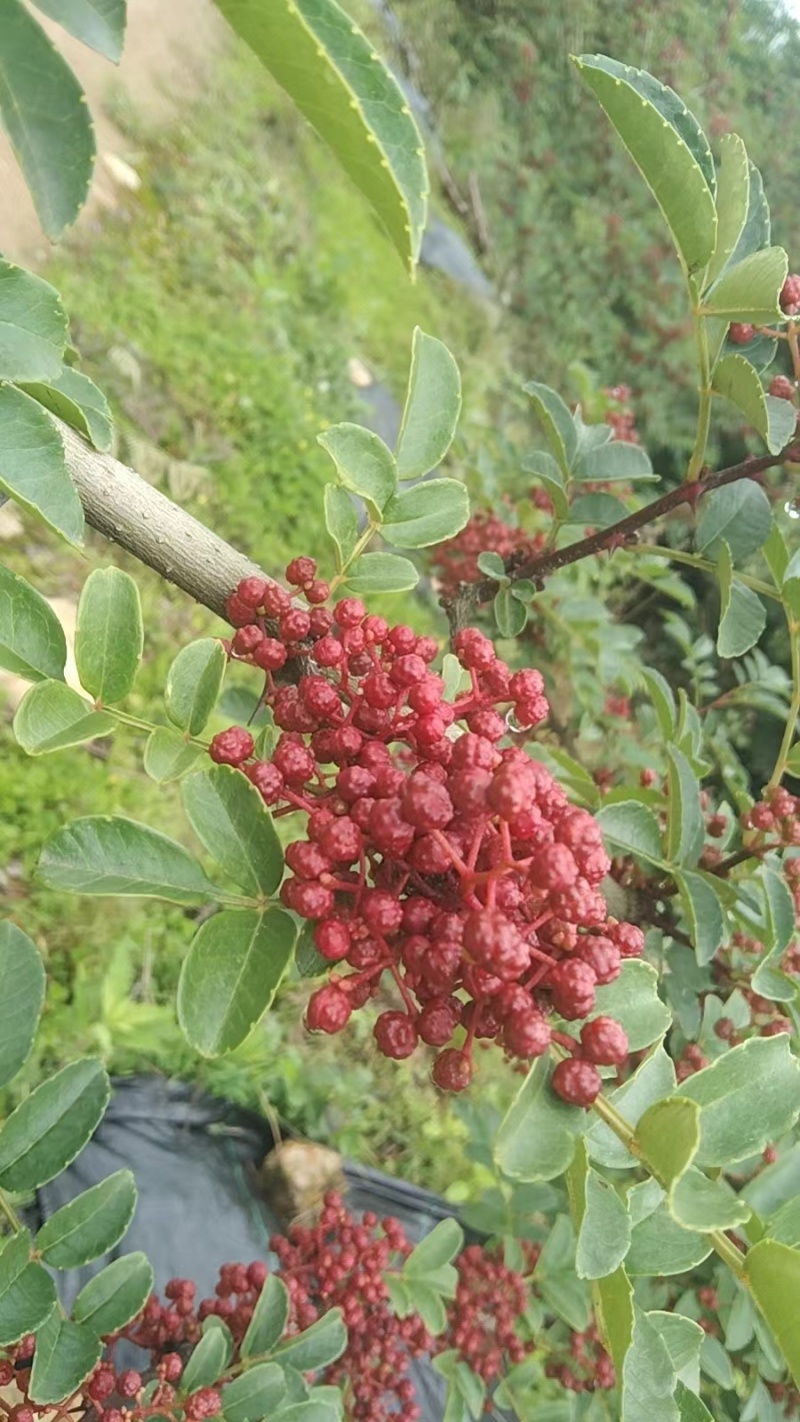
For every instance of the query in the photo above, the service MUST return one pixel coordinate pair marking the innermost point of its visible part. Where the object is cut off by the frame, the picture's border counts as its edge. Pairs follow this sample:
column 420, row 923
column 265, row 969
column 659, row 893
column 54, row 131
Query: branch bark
column 123, row 507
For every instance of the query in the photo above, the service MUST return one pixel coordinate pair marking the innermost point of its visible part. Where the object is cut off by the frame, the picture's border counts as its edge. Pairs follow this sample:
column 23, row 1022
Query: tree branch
column 129, row 511
column 459, row 606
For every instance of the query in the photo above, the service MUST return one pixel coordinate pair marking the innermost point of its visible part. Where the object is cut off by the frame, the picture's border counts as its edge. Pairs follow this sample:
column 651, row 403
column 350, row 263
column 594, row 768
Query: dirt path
column 167, row 52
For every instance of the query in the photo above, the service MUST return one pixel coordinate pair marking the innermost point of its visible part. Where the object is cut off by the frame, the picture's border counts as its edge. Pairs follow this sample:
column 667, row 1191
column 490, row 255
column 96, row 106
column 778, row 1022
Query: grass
column 218, row 309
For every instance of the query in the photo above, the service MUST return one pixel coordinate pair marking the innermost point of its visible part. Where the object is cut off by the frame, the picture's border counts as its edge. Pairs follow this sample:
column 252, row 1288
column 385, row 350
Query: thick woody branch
column 142, row 520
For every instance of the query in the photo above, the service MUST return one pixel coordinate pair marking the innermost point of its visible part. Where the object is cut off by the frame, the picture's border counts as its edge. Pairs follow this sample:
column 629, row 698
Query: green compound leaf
column 332, row 73
column 557, row 423
column 735, row 378
column 616, row 462
column 52, row 1125
column 772, row 1272
column 33, row 469
column 633, row 1001
column 230, row 976
column 749, row 290
column 210, row 1358
column 536, row 1138
column 66, row 1353
column 100, row 24
column 27, row 1293
column 341, row 522
column 167, row 756
column 740, row 514
column 701, row 904
column 668, row 147
column 748, row 1097
column 432, row 408
column 631, row 826
column 32, row 641
column 382, row 573
column 193, row 684
column 51, row 716
column 742, row 616
column 23, row 979
column 365, row 465
column 254, row 1395
column 33, row 325
column 317, row 1346
column 74, row 398
column 429, row 513
column 115, row 1295
column 733, row 196
column 232, row 822
column 108, row 854
column 269, row 1318
column 90, row 1225
column 605, row 1231
column 109, row 637
column 45, row 114
column 685, row 823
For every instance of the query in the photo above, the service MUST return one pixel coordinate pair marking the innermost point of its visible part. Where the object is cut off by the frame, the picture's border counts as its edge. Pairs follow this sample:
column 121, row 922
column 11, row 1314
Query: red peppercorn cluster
column 583, row 1365
column 431, row 854
column 790, row 295
column 741, row 332
column 782, row 387
column 777, row 814
column 620, row 416
column 483, row 1318
column 456, row 560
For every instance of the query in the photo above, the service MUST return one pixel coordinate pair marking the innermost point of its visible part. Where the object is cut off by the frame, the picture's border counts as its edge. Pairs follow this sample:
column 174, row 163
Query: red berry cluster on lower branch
column 434, row 853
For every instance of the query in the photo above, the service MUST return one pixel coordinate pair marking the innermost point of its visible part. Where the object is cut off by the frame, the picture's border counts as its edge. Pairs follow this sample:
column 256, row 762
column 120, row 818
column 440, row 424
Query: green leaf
column 255, row 1394
column 115, row 1295
column 708, row 1205
column 701, row 904
column 33, row 322
column 742, row 613
column 757, row 230
column 109, row 638
column 90, row 1225
column 66, row 1353
column 27, row 1293
column 74, row 398
column 659, row 1245
column 23, row 979
column 317, row 1346
column 633, row 1001
column 363, row 462
column 429, row 513
column 492, row 566
column 557, row 423
column 331, row 72
column 596, row 510
column 536, row 1138
column 663, row 699
column 193, row 684
column 683, row 1339
column 735, row 378
column 167, row 756
column 748, row 1097
column 613, row 1307
column 33, row 470
column 341, row 521
column 432, row 408
column 209, row 1359
column 382, row 573
column 776, row 554
column 685, row 823
column 749, row 291
column 784, row 1225
column 47, row 119
column 232, row 822
column 652, row 1080
column 733, row 196
column 772, row 1272
column 308, row 961
column 441, row 1246
column 605, row 1231
column 32, row 642
column 668, row 147
column 107, row 854
column 631, row 826
column 269, row 1318
column 563, row 1292
column 768, row 980
column 52, row 1125
column 667, row 1138
column 740, row 514
column 509, row 613
column 617, row 462
column 310, row 1411
column 51, row 716
column 648, row 1376
column 544, row 467
column 100, row 24
column 230, row 975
